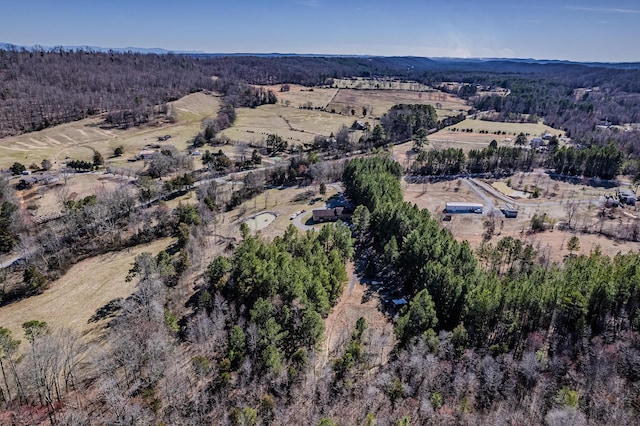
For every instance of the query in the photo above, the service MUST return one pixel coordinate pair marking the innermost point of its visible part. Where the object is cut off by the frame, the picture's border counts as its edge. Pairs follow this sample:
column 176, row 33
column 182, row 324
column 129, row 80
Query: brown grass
column 295, row 125
column 71, row 300
column 379, row 102
column 78, row 139
column 380, row 84
column 298, row 96
column 42, row 200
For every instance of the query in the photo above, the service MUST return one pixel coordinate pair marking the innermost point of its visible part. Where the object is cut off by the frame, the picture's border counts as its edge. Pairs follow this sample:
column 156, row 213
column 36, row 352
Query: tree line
column 604, row 162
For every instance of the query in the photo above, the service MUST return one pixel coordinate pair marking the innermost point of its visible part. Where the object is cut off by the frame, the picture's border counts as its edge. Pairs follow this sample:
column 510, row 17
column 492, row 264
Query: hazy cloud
column 604, row 10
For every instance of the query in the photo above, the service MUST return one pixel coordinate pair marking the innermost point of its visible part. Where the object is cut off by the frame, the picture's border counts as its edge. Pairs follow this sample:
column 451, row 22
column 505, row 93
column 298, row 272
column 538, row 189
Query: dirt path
column 353, row 304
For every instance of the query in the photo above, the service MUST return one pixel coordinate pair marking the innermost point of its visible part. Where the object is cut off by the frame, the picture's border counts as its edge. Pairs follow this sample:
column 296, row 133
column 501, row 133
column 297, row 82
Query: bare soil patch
column 260, row 221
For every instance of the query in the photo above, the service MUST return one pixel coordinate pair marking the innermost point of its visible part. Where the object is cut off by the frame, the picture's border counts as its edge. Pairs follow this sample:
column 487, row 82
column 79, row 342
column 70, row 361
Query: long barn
column 461, row 207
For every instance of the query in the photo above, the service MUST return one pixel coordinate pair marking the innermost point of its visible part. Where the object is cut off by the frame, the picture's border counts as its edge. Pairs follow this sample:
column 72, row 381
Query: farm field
column 295, row 125
column 378, row 102
column 448, row 138
column 77, row 140
column 298, row 95
column 380, row 84
column 511, row 129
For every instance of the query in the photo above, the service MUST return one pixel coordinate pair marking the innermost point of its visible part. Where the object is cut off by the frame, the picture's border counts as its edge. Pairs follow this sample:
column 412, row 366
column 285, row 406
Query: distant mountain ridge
column 433, row 62
column 151, row 50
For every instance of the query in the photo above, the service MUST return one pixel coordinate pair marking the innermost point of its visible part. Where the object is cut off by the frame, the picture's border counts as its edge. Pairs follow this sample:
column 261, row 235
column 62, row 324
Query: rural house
column 328, row 215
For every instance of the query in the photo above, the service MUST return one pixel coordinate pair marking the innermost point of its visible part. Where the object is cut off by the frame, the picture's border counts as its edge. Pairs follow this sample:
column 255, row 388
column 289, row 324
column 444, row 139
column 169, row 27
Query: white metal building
column 462, row 207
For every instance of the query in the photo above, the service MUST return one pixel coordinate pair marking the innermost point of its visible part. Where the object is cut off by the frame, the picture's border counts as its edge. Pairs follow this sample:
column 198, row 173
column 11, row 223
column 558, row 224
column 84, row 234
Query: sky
column 589, row 30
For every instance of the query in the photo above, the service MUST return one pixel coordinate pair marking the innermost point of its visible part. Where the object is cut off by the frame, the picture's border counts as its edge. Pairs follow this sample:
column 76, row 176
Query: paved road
column 298, row 223
column 481, row 194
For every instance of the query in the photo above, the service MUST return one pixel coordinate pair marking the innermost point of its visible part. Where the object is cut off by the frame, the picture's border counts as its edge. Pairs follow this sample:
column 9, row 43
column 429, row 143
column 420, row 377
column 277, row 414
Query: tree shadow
column 107, row 311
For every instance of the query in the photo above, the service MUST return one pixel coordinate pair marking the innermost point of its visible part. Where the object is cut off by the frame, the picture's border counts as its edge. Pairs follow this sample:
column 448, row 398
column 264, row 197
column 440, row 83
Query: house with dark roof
column 328, row 215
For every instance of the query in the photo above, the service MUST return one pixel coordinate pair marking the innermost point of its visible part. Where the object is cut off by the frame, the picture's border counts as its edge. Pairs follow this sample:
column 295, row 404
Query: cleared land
column 448, row 138
column 380, row 84
column 79, row 139
column 74, row 298
column 42, row 200
column 511, row 129
column 299, row 96
column 556, row 199
column 357, row 301
column 378, row 102
column 295, row 125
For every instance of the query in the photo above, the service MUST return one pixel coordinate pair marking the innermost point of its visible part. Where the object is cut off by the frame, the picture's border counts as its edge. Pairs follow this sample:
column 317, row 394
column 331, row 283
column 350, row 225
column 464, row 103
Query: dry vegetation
column 43, row 200
column 78, row 139
column 295, row 125
column 378, row 102
column 74, row 298
column 380, row 84
column 448, row 138
column 298, row 96
column 556, row 199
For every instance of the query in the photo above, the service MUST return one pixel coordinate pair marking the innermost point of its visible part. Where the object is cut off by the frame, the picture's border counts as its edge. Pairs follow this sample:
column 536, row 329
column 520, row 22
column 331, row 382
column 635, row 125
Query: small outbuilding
column 536, row 143
column 509, row 211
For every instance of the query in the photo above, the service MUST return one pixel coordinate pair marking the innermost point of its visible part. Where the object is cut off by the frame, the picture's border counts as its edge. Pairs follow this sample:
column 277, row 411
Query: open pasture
column 79, row 139
column 295, row 125
column 362, row 83
column 378, row 102
column 511, row 129
column 299, row 96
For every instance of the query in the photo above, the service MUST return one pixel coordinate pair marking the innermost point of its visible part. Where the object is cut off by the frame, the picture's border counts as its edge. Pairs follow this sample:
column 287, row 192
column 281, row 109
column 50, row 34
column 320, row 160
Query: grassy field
column 379, row 102
column 41, row 200
column 295, row 125
column 78, row 139
column 74, row 298
column 381, row 84
column 448, row 138
column 298, row 96
column 511, row 129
